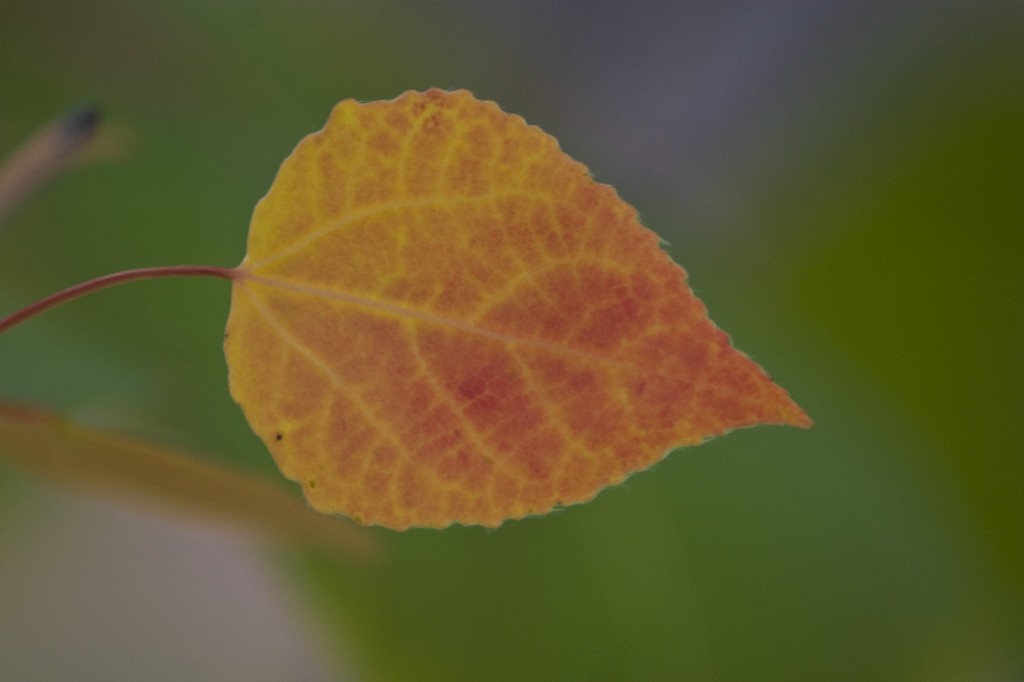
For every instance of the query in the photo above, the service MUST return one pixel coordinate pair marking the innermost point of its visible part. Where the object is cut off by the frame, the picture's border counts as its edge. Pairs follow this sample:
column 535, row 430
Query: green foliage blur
column 844, row 184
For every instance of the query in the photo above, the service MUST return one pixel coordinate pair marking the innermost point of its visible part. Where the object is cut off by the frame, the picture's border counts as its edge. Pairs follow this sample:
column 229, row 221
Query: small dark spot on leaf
column 279, row 437
column 312, row 484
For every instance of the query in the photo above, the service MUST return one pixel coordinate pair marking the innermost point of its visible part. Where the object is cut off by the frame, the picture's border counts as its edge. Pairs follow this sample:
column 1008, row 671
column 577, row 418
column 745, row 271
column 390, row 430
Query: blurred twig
column 44, row 155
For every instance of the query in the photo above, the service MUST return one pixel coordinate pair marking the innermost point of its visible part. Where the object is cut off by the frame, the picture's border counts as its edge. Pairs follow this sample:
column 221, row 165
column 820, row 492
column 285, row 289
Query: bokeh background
column 844, row 183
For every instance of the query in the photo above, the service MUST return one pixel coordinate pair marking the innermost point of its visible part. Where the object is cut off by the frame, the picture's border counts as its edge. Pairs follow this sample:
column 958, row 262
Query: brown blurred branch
column 44, row 155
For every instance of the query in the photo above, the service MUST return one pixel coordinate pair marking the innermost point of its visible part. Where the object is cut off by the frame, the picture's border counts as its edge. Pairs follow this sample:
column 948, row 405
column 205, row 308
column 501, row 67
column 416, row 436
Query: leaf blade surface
column 442, row 318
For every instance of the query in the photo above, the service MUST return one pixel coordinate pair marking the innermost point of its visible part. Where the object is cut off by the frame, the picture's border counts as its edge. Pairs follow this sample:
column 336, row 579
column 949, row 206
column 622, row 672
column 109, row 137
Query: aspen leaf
column 442, row 318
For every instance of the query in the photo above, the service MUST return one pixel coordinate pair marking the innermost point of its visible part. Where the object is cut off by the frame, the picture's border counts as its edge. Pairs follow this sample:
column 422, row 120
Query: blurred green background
column 844, row 183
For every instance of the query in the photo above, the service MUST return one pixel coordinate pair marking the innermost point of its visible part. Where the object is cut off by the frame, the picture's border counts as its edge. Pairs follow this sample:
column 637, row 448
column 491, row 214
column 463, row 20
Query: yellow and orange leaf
column 442, row 318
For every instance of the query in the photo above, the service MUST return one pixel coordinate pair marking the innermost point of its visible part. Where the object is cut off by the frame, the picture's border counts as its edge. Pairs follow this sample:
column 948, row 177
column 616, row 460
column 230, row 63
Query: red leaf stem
column 114, row 279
